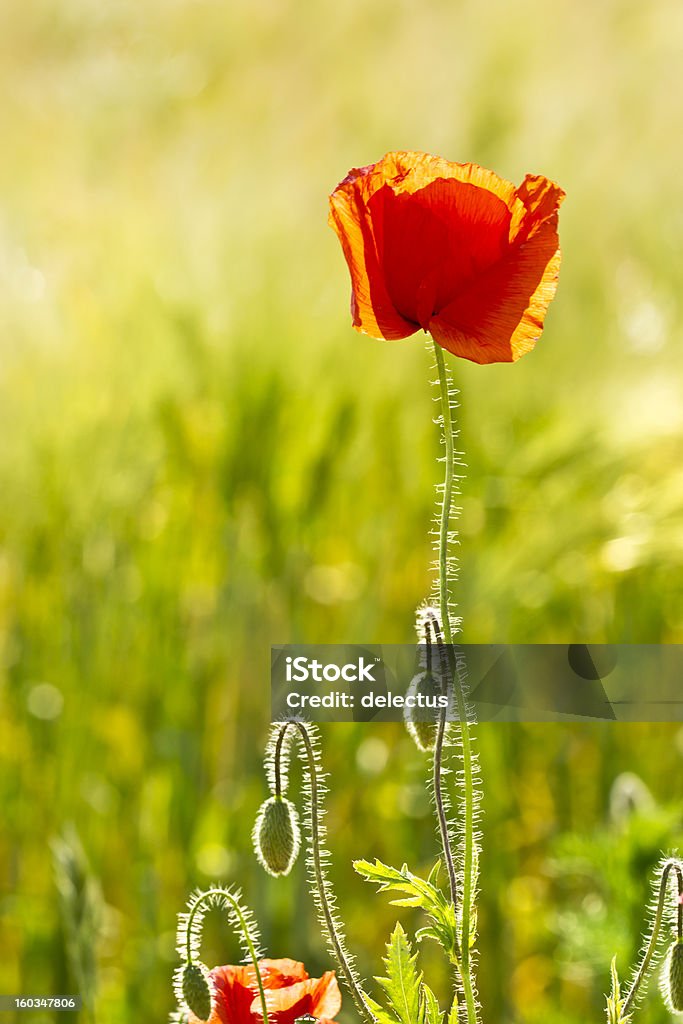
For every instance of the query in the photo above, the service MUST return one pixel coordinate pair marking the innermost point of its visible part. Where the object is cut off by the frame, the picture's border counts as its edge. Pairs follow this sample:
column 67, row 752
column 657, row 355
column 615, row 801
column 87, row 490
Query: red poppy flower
column 451, row 248
column 290, row 993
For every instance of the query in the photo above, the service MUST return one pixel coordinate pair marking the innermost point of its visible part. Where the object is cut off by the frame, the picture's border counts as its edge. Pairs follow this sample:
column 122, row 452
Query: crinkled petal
column 408, row 172
column 500, row 316
column 280, row 972
column 540, row 201
column 319, row 997
column 372, row 310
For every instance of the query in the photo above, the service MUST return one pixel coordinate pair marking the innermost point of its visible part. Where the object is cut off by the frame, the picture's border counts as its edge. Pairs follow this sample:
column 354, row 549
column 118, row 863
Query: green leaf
column 403, row 981
column 378, row 1011
column 615, row 1003
column 387, row 877
column 433, row 879
column 430, row 1006
column 418, row 893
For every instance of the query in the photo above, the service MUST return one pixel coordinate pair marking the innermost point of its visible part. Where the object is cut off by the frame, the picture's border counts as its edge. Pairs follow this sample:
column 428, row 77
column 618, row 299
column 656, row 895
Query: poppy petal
column 372, row 310
column 434, row 241
column 319, row 997
column 409, row 171
column 327, row 998
column 500, row 316
column 280, row 972
column 540, row 201
column 233, row 988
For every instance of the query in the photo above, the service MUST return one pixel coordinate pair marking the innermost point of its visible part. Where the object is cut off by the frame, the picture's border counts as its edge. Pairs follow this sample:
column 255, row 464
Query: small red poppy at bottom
column 290, row 993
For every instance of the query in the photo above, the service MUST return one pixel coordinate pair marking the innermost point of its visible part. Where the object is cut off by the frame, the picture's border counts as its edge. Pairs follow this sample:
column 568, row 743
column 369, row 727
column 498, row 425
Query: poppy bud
column 276, row 835
column 423, row 716
column 196, row 989
column 428, row 620
column 673, row 977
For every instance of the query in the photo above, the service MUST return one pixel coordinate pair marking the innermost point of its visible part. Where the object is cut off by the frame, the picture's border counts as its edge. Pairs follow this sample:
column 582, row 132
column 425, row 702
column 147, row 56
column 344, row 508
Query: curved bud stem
column 278, row 785
column 318, row 857
column 643, row 971
column 190, row 930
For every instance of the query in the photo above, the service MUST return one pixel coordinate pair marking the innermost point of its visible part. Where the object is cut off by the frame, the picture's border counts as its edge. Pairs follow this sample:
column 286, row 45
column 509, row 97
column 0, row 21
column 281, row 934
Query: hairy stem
column 466, row 741
column 322, row 884
column 277, row 759
column 438, row 769
column 225, row 894
column 643, row 970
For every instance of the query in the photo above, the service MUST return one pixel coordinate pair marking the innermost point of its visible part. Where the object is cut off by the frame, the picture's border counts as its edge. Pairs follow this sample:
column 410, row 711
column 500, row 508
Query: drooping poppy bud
column 196, row 989
column 422, row 710
column 276, row 835
column 673, row 977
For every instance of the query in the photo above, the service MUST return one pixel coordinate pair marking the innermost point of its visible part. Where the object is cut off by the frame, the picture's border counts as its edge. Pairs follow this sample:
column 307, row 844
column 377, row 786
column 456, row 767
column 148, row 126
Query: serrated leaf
column 403, row 981
column 378, row 1011
column 404, row 880
column 434, row 875
column 453, row 1013
column 615, row 1003
column 615, row 977
column 431, row 1009
column 418, row 893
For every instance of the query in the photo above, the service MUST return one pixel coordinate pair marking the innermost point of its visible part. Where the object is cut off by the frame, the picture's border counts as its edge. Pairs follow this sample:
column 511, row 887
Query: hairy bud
column 276, row 835
column 672, row 979
column 421, row 710
column 428, row 621
column 195, row 986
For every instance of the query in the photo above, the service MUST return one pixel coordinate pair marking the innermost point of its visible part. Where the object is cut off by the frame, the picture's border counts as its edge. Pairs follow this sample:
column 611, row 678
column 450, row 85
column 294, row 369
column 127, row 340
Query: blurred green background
column 200, row 457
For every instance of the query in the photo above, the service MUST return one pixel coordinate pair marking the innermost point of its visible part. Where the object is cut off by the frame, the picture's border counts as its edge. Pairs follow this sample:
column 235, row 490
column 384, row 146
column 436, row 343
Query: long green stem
column 437, row 766
column 225, row 894
column 668, row 867
column 324, row 899
column 467, row 757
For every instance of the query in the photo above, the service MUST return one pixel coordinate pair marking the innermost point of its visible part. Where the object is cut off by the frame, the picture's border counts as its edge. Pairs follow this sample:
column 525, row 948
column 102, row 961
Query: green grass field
column 200, row 457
